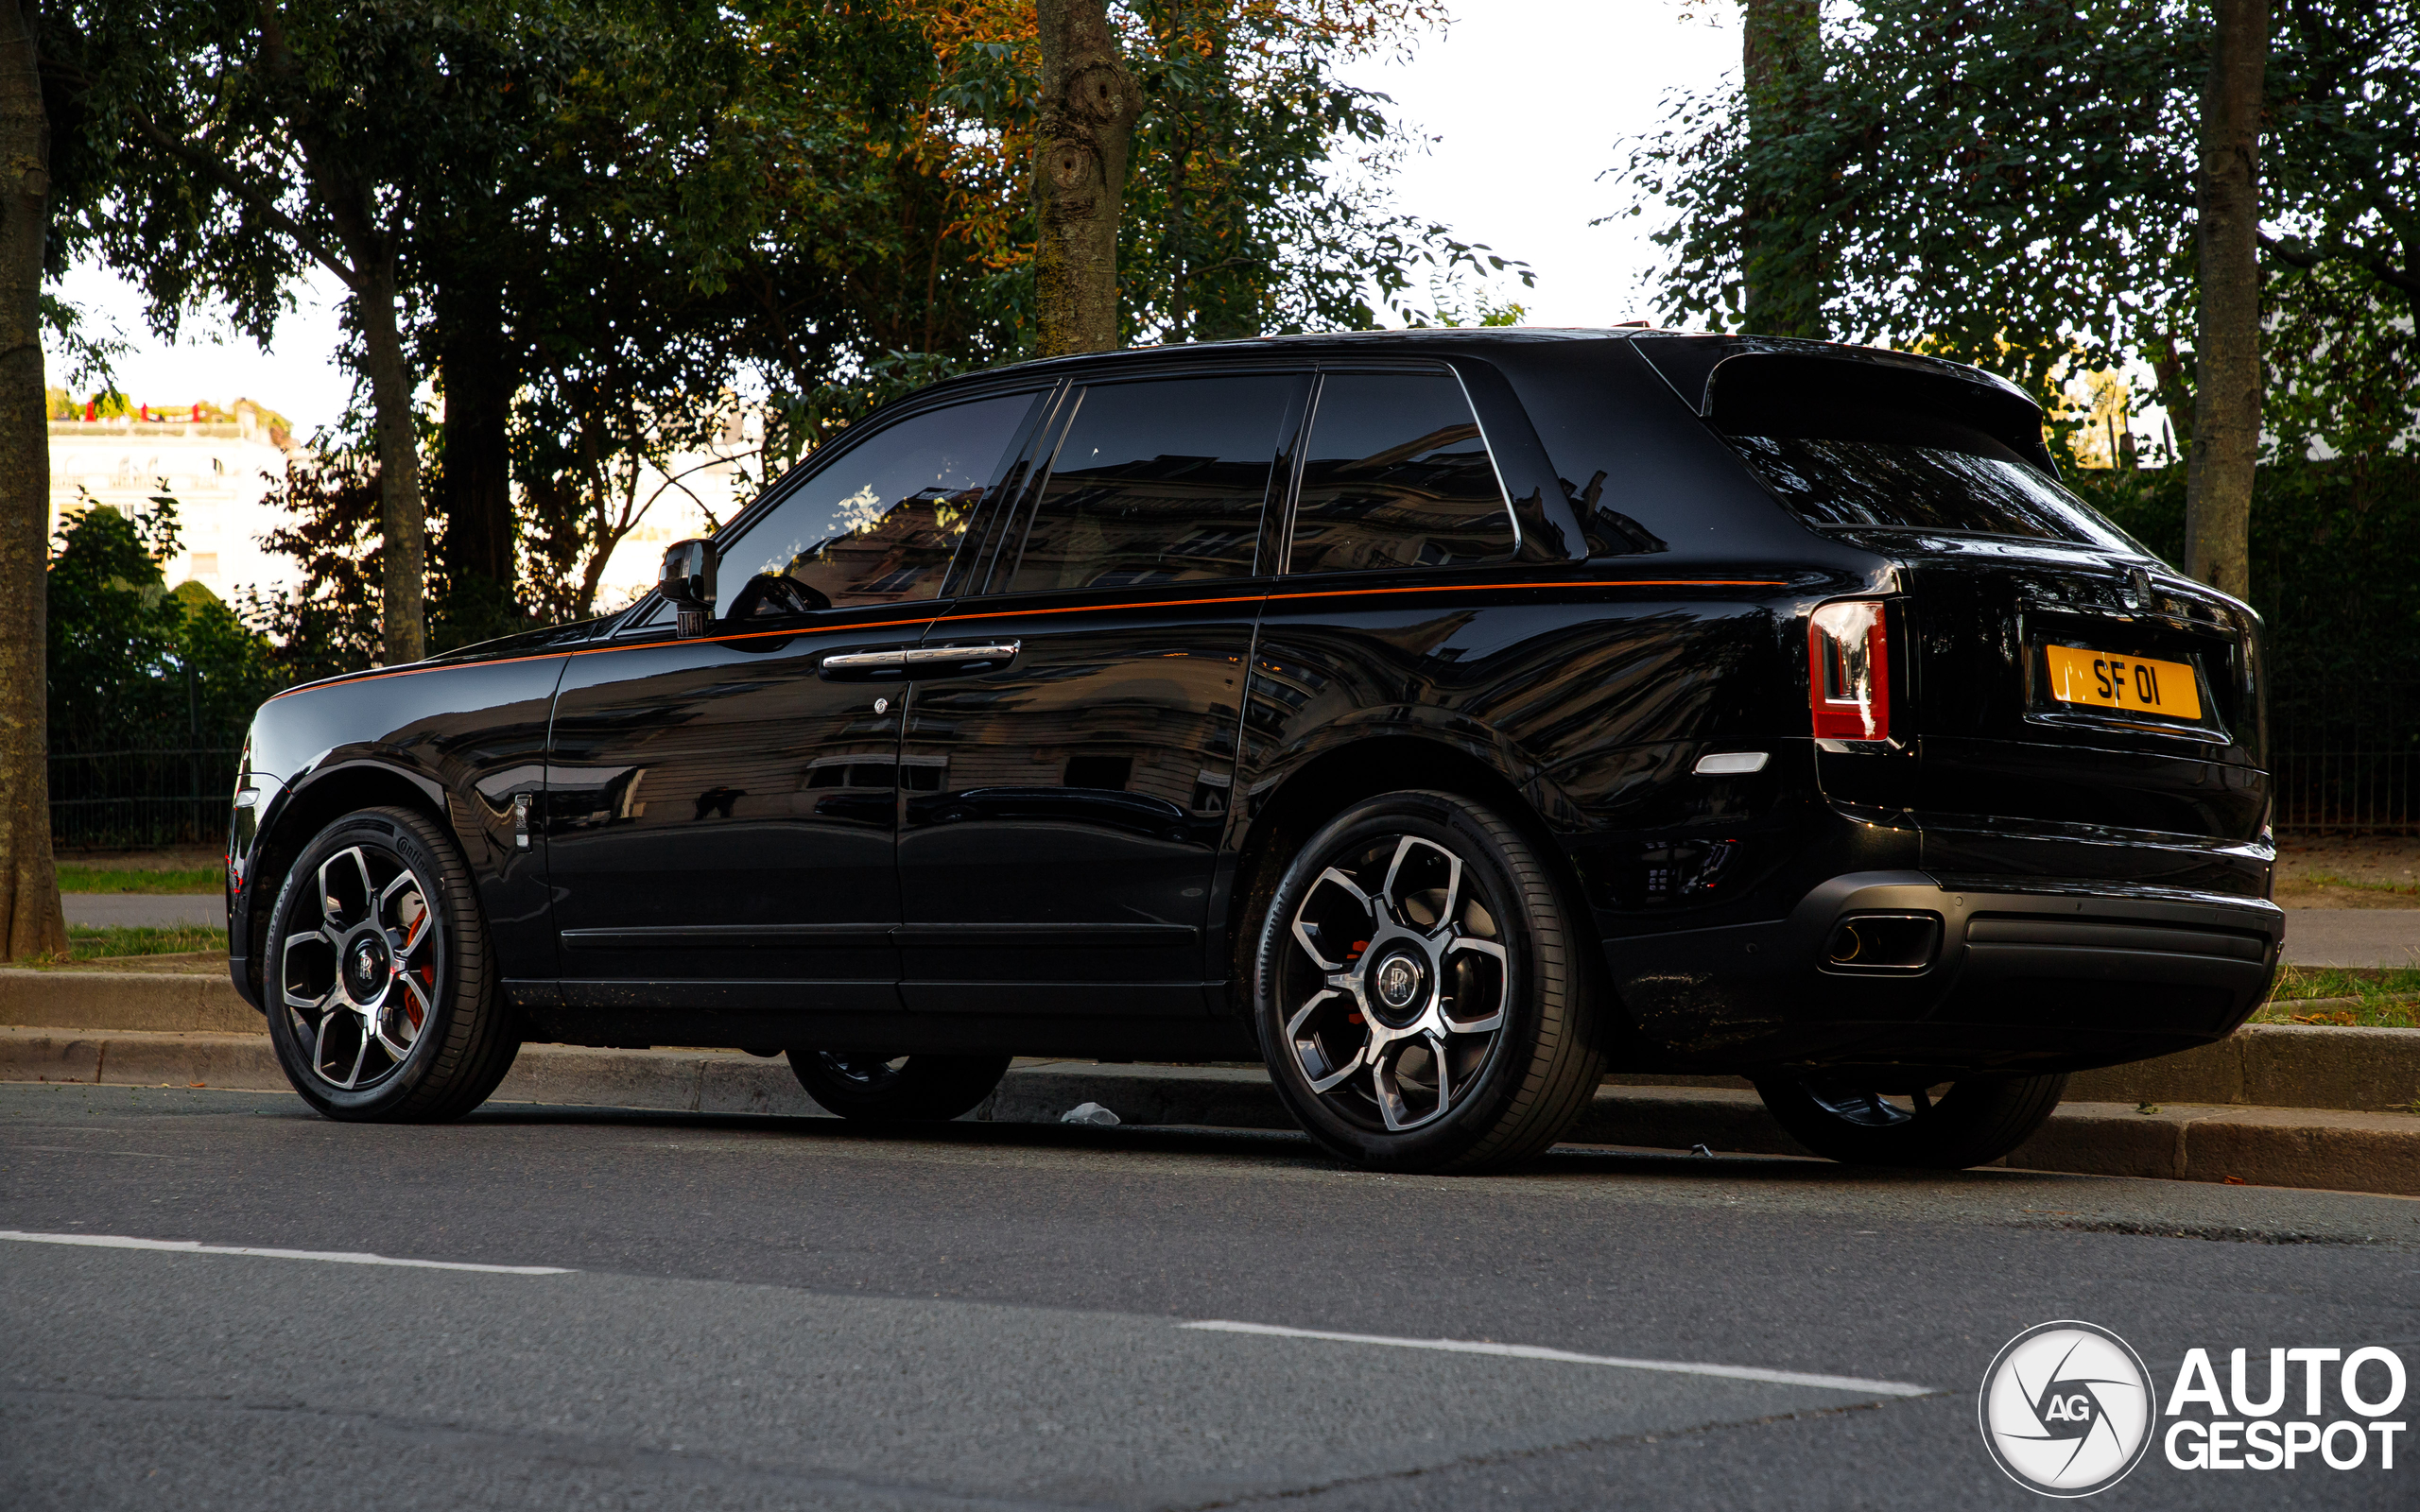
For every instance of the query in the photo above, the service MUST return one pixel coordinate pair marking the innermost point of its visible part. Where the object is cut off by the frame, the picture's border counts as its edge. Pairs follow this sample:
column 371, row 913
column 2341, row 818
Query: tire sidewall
column 1438, row 817
column 392, row 828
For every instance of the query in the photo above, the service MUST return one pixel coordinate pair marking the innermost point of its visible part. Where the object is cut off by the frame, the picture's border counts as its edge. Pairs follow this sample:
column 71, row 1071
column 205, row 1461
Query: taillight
column 1848, row 665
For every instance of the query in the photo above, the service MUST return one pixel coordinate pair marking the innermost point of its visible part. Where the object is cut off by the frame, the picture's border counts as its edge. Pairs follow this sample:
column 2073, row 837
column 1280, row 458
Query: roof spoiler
column 1766, row 386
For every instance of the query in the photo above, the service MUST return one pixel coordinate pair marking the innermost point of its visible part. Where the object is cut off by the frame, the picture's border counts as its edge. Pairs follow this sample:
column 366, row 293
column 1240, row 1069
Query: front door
column 721, row 811
column 1072, row 731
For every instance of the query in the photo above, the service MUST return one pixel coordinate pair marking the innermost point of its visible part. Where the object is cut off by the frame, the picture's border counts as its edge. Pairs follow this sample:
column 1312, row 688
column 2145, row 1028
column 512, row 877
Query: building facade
column 224, row 476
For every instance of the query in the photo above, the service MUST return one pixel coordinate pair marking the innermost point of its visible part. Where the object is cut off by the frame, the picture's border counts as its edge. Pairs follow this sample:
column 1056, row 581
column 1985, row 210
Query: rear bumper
column 2022, row 979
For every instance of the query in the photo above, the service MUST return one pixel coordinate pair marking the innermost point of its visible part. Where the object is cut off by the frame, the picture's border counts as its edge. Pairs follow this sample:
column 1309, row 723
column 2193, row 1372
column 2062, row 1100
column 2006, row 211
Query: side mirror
column 688, row 581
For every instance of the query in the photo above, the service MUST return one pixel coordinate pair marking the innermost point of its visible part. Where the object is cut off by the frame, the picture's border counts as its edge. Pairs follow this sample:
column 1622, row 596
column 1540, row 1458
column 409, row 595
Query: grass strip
column 87, row 942
column 2386, row 998
column 110, row 879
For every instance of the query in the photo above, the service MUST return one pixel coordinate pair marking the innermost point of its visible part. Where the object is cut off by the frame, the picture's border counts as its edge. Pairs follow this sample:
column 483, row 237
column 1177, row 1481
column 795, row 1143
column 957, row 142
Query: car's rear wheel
column 1947, row 1126
column 897, row 1088
column 1418, row 992
column 385, row 999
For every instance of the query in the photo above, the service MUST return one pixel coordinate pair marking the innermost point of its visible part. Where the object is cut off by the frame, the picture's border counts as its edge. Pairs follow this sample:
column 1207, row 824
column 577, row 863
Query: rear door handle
column 925, row 660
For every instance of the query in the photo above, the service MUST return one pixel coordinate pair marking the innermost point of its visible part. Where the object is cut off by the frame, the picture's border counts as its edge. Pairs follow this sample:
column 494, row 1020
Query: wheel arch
column 305, row 809
column 1308, row 796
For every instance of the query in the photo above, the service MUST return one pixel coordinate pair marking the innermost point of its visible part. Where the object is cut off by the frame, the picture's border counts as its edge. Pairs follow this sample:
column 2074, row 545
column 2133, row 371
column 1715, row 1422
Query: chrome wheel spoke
column 309, row 997
column 1401, row 1094
column 409, row 913
column 380, row 1024
column 1312, row 1052
column 1439, row 904
column 1465, row 1017
column 346, row 892
column 1306, row 932
column 1294, row 1024
column 416, row 1008
column 1343, row 1074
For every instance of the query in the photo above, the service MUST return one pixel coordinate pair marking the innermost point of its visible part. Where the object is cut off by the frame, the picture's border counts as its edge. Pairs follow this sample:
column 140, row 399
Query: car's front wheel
column 1418, row 990
column 1947, row 1126
column 897, row 1088
column 385, row 999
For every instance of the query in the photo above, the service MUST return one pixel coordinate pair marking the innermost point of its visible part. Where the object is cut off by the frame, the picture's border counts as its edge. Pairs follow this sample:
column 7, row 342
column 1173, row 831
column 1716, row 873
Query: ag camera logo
column 2066, row 1409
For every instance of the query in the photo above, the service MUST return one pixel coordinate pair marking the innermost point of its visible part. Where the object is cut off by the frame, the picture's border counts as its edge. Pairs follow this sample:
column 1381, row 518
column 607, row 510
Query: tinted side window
column 1159, row 480
column 1396, row 475
column 880, row 524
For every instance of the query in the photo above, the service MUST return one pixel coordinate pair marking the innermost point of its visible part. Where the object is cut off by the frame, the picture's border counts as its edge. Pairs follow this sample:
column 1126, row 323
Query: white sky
column 1529, row 101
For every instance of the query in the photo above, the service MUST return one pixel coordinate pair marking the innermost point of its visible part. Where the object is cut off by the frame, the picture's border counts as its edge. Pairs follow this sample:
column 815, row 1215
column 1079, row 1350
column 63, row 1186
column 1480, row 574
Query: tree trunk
column 1089, row 107
column 476, row 492
column 31, row 921
column 2226, row 391
column 1776, row 49
column 403, row 521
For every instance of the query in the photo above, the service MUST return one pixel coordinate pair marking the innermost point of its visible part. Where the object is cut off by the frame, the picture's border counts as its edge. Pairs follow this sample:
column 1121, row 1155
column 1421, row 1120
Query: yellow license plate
column 2138, row 684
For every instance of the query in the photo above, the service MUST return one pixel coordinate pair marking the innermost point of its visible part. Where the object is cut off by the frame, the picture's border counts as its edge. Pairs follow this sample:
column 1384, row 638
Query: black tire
column 893, row 1090
column 1362, row 1071
column 1973, row 1123
column 375, row 1018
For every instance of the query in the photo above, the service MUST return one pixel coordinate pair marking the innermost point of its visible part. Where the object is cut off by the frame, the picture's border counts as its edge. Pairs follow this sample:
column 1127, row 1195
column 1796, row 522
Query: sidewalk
column 2353, row 936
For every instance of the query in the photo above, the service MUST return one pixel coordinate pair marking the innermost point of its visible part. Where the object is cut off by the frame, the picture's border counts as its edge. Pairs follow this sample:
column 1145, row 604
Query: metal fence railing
column 133, row 800
column 2346, row 758
column 2347, row 754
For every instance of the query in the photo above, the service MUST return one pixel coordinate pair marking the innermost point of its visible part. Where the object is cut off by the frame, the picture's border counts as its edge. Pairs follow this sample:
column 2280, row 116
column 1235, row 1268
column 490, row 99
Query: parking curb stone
column 2264, row 1065
column 2321, row 1148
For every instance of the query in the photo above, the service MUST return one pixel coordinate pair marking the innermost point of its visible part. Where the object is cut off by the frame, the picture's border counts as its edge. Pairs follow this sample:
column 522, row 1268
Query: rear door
column 1071, row 738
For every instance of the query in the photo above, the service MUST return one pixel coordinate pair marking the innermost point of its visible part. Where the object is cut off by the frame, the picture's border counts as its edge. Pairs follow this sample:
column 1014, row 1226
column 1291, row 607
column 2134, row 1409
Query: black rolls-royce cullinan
column 1442, row 716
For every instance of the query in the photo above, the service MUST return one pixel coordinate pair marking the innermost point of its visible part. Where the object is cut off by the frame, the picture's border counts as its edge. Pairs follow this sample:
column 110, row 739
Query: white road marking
column 1532, row 1352
column 194, row 1247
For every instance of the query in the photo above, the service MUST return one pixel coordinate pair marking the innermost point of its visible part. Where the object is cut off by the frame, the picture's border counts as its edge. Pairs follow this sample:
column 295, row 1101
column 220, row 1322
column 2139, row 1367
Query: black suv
column 1442, row 716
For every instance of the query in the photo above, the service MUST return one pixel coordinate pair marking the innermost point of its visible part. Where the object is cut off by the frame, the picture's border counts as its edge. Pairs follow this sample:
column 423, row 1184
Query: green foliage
column 1236, row 223
column 132, row 665
column 2012, row 185
column 2002, row 184
column 113, row 626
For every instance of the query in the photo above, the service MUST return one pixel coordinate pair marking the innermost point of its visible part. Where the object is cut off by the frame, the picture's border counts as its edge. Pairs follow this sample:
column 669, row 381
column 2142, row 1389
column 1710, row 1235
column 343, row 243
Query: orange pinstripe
column 1088, row 608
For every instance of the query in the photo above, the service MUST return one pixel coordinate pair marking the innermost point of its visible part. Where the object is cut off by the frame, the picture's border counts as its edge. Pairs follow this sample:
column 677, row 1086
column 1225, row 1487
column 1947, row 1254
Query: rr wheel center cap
column 366, row 968
column 1399, row 989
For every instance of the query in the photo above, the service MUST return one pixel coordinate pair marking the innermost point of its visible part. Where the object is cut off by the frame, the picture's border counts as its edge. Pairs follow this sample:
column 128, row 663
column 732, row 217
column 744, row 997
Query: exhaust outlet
column 1891, row 943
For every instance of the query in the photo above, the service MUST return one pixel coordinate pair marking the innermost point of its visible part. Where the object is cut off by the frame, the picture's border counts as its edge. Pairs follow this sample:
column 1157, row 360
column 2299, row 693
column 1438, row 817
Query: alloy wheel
column 1395, row 983
column 1867, row 1108
column 360, row 983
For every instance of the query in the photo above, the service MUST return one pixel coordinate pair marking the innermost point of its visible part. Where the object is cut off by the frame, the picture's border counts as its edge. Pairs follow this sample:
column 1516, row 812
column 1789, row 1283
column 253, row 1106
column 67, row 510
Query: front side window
column 1397, row 474
column 880, row 524
column 1158, row 481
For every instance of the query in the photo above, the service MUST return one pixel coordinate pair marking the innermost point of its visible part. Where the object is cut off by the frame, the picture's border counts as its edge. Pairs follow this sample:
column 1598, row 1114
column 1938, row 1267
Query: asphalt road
column 738, row 1313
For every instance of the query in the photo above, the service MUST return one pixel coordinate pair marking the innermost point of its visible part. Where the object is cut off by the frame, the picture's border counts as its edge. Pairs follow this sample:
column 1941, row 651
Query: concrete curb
column 2327, row 1149
column 157, row 1001
column 2262, row 1065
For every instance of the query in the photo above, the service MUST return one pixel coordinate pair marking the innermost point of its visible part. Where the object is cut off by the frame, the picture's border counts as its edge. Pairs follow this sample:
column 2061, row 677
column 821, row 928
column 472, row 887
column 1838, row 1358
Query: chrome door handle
column 929, row 659
column 855, row 665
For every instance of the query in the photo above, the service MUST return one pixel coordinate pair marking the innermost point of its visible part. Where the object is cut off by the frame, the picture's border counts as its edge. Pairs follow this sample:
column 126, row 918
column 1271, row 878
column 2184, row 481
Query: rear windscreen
column 1900, row 485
